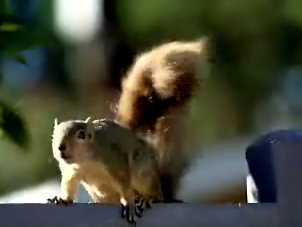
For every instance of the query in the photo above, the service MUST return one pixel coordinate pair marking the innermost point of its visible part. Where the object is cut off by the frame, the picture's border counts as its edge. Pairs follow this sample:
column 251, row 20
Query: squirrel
column 112, row 163
column 153, row 100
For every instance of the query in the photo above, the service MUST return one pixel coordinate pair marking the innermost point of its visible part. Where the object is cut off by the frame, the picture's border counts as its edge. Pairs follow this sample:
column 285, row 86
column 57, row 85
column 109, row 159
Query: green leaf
column 13, row 126
column 10, row 27
column 19, row 58
column 3, row 7
column 15, row 55
column 24, row 39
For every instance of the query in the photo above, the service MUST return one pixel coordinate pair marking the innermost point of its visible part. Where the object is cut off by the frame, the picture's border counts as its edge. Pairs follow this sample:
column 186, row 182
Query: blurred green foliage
column 25, row 117
column 253, row 41
column 15, row 36
column 12, row 125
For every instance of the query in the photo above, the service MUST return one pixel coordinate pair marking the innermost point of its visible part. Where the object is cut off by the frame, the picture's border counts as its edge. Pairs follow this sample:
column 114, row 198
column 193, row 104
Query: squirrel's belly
column 102, row 193
column 98, row 182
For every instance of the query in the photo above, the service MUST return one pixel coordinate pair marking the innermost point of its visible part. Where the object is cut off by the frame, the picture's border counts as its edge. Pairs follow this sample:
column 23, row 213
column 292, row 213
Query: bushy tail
column 154, row 95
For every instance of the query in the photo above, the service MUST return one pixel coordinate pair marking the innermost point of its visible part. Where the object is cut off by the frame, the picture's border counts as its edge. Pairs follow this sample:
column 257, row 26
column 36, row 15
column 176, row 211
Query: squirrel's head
column 71, row 140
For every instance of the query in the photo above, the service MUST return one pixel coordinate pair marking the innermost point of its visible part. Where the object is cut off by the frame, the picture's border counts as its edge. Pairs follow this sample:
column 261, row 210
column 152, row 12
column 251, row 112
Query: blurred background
column 65, row 59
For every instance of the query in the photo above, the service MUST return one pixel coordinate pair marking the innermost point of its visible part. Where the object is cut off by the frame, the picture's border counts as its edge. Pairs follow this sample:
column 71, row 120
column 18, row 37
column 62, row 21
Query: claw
column 149, row 203
column 59, row 201
column 139, row 211
column 144, row 203
column 52, row 200
column 139, row 201
column 139, row 206
column 123, row 211
column 129, row 213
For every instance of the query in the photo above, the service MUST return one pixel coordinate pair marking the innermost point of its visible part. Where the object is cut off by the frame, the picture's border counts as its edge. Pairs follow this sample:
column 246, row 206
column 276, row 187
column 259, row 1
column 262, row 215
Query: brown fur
column 154, row 96
column 111, row 162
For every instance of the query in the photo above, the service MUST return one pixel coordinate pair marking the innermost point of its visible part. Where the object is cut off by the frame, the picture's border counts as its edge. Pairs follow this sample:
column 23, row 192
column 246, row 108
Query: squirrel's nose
column 62, row 147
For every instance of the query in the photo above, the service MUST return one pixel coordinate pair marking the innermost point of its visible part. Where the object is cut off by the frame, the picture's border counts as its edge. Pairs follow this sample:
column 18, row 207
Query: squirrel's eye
column 81, row 135
column 62, row 147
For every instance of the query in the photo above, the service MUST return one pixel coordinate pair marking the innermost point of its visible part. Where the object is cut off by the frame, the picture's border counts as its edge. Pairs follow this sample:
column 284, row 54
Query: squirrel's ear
column 90, row 129
column 87, row 119
column 55, row 122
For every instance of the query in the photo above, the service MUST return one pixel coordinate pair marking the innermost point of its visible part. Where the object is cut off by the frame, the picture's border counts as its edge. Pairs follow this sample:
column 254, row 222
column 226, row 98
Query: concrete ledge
column 85, row 215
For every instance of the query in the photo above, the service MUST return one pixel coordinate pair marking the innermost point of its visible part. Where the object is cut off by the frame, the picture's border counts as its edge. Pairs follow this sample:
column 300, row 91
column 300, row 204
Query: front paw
column 59, row 201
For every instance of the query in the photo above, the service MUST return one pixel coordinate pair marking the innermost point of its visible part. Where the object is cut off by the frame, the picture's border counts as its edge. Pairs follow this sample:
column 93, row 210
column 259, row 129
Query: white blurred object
column 251, row 192
column 219, row 171
column 40, row 193
column 36, row 194
column 77, row 20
